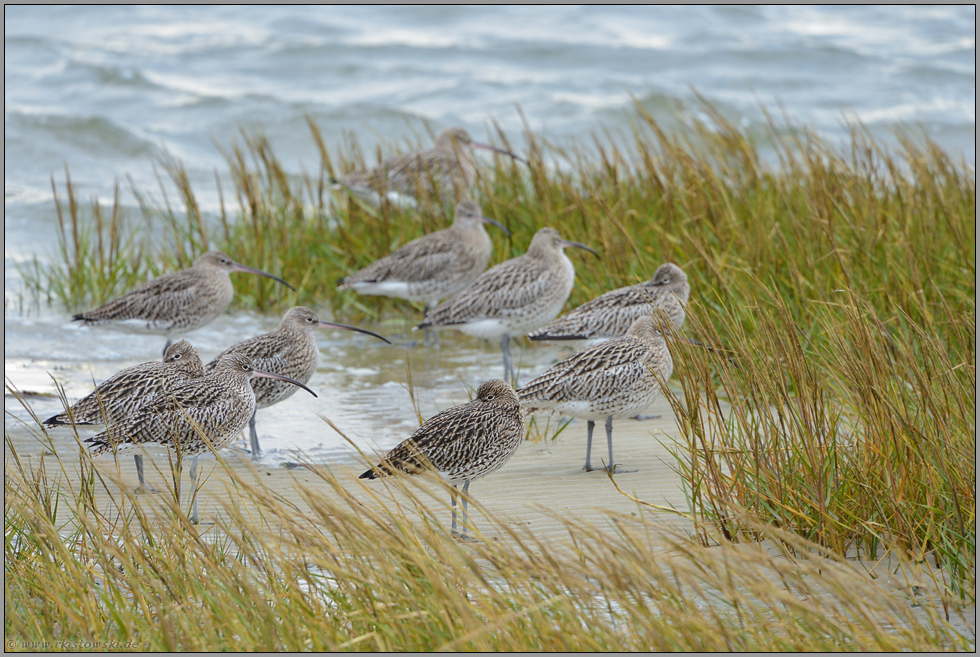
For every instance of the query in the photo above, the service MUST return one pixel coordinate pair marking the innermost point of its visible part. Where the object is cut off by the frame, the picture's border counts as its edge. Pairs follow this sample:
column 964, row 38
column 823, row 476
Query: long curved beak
column 352, row 328
column 277, row 377
column 252, row 270
column 488, row 220
column 686, row 340
column 488, row 147
column 578, row 245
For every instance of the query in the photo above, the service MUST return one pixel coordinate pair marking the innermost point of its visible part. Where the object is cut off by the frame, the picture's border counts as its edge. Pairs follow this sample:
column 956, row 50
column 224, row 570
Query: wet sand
column 541, row 484
column 539, row 488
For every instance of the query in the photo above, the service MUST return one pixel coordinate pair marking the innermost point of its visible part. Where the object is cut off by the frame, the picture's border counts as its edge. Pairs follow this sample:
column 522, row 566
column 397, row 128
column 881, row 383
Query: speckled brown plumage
column 613, row 379
column 465, row 442
column 194, row 416
column 448, row 170
column 121, row 393
column 174, row 303
column 434, row 266
column 610, row 315
column 288, row 351
column 514, row 297
column 217, row 404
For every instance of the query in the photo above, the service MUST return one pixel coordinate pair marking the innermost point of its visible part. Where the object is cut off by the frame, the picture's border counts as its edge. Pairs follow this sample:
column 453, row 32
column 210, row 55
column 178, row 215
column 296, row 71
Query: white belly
column 615, row 406
column 396, row 289
column 488, row 329
column 140, row 326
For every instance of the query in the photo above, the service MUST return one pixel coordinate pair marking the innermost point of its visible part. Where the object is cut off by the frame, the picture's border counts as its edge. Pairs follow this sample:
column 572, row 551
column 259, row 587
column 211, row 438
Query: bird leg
column 142, row 488
column 452, row 496
column 254, row 436
column 431, row 335
column 466, row 518
column 508, row 366
column 611, row 467
column 588, row 446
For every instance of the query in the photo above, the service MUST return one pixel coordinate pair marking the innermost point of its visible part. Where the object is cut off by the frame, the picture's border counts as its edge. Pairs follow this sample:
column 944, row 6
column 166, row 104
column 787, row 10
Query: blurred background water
column 106, row 90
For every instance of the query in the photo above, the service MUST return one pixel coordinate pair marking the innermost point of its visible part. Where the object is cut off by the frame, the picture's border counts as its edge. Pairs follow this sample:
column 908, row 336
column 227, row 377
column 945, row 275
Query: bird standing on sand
column 434, row 266
column 194, row 415
column 611, row 314
column 447, row 171
column 514, row 297
column 119, row 395
column 288, row 351
column 614, row 379
column 175, row 303
column 462, row 443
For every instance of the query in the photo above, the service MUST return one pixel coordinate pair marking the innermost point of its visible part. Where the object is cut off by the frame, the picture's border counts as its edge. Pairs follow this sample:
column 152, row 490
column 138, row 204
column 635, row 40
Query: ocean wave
column 93, row 134
column 111, row 75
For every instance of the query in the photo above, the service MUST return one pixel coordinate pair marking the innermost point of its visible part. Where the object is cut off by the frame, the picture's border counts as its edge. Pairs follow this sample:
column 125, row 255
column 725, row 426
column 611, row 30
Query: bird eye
column 176, row 356
column 489, row 397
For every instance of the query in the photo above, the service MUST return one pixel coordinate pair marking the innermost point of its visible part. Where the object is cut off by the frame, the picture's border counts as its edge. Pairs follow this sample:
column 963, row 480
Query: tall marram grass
column 322, row 568
column 839, row 280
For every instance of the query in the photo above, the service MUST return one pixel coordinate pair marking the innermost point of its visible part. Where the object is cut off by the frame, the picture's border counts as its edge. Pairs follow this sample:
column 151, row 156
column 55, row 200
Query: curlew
column 434, row 266
column 288, row 351
column 611, row 314
column 175, row 303
column 613, row 379
column 194, row 416
column 119, row 395
column 514, row 297
column 462, row 443
column 447, row 170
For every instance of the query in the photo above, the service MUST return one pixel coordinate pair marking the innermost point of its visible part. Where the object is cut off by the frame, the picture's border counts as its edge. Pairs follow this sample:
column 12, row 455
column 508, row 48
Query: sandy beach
column 542, row 483
column 539, row 489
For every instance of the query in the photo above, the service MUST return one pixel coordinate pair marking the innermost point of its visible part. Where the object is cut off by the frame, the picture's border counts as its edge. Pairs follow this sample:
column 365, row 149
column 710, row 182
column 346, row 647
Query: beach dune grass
column 326, row 569
column 838, row 279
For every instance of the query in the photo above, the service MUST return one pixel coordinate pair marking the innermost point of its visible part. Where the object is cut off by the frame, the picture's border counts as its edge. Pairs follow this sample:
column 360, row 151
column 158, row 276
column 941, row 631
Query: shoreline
column 534, row 495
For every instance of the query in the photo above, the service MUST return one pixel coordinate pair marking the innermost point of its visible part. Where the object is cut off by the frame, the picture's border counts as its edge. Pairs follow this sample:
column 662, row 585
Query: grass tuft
column 336, row 565
column 841, row 280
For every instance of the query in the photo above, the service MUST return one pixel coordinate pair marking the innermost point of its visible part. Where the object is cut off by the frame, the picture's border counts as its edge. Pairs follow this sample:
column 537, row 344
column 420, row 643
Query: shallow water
column 363, row 385
column 106, row 90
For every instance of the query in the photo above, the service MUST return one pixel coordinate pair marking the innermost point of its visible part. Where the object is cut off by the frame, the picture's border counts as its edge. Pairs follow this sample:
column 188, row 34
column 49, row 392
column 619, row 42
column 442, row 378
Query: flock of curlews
column 194, row 407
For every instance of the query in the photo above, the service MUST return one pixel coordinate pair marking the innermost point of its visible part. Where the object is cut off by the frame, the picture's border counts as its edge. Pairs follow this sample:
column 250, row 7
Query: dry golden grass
column 840, row 281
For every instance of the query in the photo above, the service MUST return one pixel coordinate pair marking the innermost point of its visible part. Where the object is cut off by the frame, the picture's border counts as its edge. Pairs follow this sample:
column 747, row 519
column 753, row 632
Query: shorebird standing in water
column 462, row 443
column 514, row 297
column 610, row 315
column 175, row 303
column 194, row 416
column 446, row 171
column 434, row 266
column 614, row 379
column 289, row 351
column 119, row 395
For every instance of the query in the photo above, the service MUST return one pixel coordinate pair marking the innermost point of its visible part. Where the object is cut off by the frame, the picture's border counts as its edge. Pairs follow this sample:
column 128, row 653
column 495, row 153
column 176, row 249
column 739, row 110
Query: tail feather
column 80, row 317
column 549, row 336
column 98, row 447
column 62, row 419
column 384, row 469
